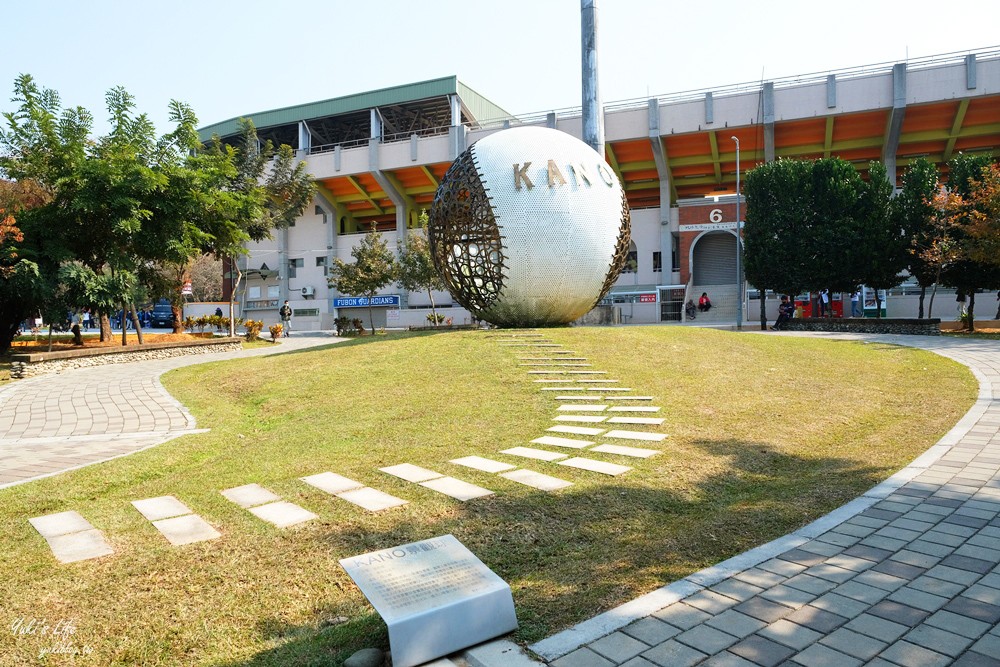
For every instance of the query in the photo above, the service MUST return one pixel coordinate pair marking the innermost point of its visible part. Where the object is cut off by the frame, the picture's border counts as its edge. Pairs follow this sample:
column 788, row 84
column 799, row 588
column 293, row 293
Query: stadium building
column 377, row 158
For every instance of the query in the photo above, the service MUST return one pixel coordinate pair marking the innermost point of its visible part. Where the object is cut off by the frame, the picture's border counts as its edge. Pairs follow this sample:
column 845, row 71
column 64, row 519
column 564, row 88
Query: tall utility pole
column 593, row 112
column 739, row 265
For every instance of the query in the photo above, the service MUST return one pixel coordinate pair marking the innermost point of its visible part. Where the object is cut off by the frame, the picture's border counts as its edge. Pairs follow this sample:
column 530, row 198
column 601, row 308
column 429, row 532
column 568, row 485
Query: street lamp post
column 739, row 264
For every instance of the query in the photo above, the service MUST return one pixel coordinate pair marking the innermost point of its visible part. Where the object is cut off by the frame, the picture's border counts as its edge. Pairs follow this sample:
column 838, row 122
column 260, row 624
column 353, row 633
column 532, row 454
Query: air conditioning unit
column 308, row 290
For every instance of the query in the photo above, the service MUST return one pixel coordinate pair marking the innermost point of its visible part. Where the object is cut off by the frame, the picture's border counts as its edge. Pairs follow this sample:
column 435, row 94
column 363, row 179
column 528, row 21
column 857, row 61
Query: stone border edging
column 603, row 624
column 895, row 325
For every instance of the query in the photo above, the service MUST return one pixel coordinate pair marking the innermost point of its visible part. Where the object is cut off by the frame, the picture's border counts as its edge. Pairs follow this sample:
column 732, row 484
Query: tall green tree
column 373, row 268
column 415, row 266
column 777, row 194
column 883, row 244
column 913, row 211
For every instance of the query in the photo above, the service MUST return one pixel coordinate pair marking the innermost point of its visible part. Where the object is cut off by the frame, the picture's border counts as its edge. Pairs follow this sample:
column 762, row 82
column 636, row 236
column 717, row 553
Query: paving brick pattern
column 910, row 578
column 54, row 423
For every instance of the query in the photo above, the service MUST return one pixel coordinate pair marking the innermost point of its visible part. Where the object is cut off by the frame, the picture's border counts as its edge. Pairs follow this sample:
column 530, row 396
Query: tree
column 373, row 268
column 415, row 267
column 913, row 211
column 206, row 278
column 777, row 194
column 984, row 212
column 883, row 245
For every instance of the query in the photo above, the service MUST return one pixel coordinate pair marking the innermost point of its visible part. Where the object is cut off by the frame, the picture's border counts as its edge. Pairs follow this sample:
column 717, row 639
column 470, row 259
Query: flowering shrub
column 275, row 330
column 252, row 329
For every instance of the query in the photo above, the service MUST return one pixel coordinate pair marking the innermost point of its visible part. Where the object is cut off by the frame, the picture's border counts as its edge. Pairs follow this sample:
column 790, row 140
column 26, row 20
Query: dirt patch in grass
column 41, row 344
column 766, row 434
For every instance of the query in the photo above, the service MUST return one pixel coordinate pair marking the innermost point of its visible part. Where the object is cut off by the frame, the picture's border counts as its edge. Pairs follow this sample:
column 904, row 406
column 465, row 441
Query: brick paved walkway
column 906, row 575
column 58, row 422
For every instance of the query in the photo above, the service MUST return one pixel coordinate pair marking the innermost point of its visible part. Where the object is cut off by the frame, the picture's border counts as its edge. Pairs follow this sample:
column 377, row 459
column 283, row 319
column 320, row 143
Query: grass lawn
column 767, row 433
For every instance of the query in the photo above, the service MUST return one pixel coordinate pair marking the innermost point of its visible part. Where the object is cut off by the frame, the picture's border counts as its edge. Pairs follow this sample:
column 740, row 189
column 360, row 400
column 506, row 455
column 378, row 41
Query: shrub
column 275, row 330
column 359, row 326
column 252, row 329
column 189, row 323
column 201, row 323
column 435, row 318
column 343, row 325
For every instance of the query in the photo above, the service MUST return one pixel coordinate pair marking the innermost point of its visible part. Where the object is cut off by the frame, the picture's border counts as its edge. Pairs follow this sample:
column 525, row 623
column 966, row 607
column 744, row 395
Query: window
column 632, row 262
column 319, row 211
column 675, row 261
column 657, row 262
column 305, row 312
column 273, row 291
column 322, row 261
column 294, row 264
column 253, row 292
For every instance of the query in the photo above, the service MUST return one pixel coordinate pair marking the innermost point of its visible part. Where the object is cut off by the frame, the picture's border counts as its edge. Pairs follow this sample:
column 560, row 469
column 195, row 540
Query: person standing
column 998, row 307
column 824, row 302
column 960, row 300
column 286, row 318
column 855, row 297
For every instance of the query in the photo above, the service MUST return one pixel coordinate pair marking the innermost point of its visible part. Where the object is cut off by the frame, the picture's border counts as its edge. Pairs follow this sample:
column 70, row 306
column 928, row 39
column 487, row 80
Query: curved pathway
column 58, row 422
column 905, row 575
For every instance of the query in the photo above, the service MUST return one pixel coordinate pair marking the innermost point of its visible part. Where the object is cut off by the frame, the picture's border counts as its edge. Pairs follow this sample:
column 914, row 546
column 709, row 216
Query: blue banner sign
column 362, row 301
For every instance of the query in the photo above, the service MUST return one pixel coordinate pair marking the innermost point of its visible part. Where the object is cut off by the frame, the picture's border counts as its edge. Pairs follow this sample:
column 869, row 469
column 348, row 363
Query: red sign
column 647, row 298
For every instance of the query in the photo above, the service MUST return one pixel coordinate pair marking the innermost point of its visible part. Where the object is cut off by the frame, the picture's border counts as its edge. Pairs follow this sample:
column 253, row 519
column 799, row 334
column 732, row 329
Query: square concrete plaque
column 629, row 408
column 371, row 499
column 331, row 482
column 250, row 495
column 652, row 421
column 162, row 507
column 536, row 480
column 636, row 435
column 186, row 529
column 576, row 430
column 82, row 545
column 411, row 473
column 582, row 419
column 553, row 441
column 63, row 523
column 282, row 514
column 595, row 466
column 529, row 453
column 583, row 408
column 435, row 597
column 456, row 488
column 621, row 450
column 479, row 463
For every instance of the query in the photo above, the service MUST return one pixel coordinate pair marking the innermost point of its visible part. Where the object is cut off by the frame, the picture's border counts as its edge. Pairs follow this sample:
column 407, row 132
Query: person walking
column 286, row 319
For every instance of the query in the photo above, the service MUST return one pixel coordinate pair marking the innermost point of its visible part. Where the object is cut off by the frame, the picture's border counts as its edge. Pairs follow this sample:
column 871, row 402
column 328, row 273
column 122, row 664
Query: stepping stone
column 636, row 435
column 331, row 482
column 653, row 421
column 623, row 408
column 550, row 381
column 282, row 514
column 562, row 389
column 71, row 537
column 536, row 480
column 250, row 495
column 628, row 398
column 555, row 365
column 583, row 419
column 561, row 442
column 371, row 499
column 548, row 373
column 456, row 488
column 582, row 408
column 587, row 372
column 186, row 529
column 577, row 430
column 529, row 453
column 550, row 359
column 162, row 507
column 576, row 397
column 595, row 466
column 621, row 450
column 479, row 463
column 63, row 523
column 595, row 381
column 411, row 473
column 609, row 389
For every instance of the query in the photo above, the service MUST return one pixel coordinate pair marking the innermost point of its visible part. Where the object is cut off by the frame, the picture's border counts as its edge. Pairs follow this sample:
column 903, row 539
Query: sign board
column 362, row 301
column 709, row 227
column 435, row 597
column 392, row 316
column 647, row 298
column 186, row 288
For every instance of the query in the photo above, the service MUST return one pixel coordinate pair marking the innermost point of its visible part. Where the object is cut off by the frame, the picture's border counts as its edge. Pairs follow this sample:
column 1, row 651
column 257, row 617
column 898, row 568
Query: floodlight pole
column 739, row 264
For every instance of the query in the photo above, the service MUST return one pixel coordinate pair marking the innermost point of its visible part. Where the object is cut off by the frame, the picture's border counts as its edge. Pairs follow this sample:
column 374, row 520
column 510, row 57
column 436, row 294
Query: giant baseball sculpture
column 529, row 227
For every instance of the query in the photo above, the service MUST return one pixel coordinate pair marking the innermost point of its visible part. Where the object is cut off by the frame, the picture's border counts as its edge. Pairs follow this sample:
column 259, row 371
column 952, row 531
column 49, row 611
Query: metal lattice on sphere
column 529, row 227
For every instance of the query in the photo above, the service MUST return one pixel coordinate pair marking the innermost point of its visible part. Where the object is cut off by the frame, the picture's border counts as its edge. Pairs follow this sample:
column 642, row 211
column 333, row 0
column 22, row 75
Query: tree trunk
column 920, row 308
column 50, row 336
column 434, row 312
column 124, row 330
column 178, row 324
column 878, row 306
column 135, row 323
column 232, row 296
column 969, row 313
column 763, row 310
column 105, row 326
column 371, row 314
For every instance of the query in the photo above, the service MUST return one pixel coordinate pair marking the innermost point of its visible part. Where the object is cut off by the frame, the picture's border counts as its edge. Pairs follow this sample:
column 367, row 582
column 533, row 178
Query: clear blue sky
column 229, row 58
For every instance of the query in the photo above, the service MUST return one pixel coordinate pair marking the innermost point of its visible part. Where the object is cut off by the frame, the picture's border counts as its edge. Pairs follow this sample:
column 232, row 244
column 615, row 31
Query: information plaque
column 435, row 596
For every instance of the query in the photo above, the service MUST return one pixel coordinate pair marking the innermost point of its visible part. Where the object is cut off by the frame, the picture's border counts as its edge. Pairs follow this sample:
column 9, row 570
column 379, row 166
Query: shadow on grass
column 635, row 535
